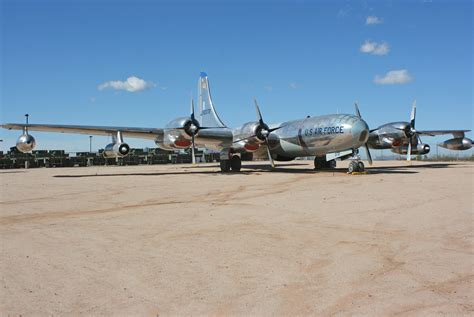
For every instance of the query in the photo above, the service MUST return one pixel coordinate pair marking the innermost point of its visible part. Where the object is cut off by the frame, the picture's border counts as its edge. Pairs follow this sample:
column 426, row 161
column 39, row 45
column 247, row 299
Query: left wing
column 133, row 132
column 455, row 133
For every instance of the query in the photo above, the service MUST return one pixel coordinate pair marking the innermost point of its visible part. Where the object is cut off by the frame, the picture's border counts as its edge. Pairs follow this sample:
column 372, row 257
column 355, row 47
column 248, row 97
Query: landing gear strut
column 321, row 163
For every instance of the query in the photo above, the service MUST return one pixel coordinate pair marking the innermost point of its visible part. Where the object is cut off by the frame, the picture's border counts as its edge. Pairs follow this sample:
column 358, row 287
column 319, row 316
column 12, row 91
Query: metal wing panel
column 455, row 133
column 133, row 132
column 215, row 138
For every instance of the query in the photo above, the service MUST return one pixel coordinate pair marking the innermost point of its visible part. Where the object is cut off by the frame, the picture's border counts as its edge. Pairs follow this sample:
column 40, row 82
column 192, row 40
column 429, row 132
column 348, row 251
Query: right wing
column 455, row 133
column 132, row 132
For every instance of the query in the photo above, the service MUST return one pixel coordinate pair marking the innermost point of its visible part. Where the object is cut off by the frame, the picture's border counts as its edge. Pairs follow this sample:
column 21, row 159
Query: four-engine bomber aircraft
column 328, row 137
column 403, row 138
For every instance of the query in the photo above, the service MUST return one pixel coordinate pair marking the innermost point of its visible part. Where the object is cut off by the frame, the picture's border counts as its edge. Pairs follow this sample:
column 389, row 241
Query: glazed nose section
column 360, row 132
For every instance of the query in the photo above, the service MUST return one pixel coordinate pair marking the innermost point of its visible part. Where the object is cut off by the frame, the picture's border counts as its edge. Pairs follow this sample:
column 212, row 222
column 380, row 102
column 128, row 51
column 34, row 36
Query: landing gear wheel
column 353, row 167
column 225, row 166
column 361, row 167
column 235, row 163
column 319, row 163
column 332, row 164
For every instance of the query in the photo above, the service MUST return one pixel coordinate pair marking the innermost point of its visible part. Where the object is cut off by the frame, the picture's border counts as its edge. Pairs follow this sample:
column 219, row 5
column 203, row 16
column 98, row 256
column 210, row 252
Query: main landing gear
column 321, row 163
column 234, row 164
column 355, row 166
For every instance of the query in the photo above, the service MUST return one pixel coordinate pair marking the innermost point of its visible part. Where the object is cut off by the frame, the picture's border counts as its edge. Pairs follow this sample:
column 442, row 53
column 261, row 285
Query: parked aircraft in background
column 328, row 137
column 403, row 138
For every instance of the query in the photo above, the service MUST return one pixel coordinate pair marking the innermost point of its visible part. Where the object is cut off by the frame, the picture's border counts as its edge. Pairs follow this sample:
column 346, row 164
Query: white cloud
column 371, row 20
column 400, row 76
column 375, row 48
column 132, row 84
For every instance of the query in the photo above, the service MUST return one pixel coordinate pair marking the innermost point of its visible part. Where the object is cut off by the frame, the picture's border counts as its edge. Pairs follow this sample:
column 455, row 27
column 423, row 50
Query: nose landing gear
column 356, row 166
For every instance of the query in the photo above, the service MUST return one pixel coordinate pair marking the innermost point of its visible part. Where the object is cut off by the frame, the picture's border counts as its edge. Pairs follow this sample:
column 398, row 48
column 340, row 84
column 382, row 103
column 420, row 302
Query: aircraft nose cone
column 360, row 132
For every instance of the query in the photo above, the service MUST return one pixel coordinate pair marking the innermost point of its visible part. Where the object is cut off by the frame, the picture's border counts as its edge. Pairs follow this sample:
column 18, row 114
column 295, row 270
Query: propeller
column 410, row 130
column 366, row 145
column 262, row 132
column 192, row 127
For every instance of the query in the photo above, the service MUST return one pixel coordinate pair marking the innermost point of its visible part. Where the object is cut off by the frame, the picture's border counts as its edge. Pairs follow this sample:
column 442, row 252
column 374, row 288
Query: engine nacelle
column 457, row 144
column 25, row 143
column 251, row 133
column 116, row 150
column 177, row 134
column 420, row 149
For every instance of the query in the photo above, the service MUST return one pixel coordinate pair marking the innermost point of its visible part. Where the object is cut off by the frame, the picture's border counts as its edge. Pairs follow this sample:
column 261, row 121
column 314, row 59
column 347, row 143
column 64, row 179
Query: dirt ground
column 184, row 240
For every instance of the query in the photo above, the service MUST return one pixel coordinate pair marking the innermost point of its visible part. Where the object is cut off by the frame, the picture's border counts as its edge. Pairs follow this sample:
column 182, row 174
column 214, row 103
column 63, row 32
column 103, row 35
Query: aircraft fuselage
column 312, row 136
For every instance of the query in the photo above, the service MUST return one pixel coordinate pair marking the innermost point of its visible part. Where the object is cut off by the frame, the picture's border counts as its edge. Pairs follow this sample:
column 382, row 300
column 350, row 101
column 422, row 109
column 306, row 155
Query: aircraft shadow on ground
column 250, row 169
column 283, row 169
column 12, row 172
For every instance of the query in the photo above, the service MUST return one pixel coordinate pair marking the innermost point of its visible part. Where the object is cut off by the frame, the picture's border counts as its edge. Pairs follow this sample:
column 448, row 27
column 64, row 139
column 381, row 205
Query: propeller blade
column 193, row 156
column 366, row 145
column 357, row 110
column 259, row 114
column 367, row 151
column 413, row 115
column 269, row 154
column 409, row 150
column 254, row 135
column 274, row 129
column 192, row 111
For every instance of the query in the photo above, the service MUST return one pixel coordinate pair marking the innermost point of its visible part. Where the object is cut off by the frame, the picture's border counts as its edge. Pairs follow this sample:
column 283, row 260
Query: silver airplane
column 328, row 138
column 403, row 138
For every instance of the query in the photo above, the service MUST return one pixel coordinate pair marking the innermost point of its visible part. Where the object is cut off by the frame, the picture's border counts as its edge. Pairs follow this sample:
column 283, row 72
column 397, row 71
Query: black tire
column 361, row 167
column 235, row 163
column 318, row 163
column 332, row 164
column 353, row 167
column 225, row 166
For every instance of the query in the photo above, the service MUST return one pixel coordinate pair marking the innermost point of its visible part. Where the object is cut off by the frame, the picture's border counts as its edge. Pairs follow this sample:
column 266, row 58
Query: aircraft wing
column 133, row 132
column 455, row 133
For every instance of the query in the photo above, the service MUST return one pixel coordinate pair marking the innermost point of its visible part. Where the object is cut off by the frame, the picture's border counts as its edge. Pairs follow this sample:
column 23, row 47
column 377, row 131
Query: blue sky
column 297, row 58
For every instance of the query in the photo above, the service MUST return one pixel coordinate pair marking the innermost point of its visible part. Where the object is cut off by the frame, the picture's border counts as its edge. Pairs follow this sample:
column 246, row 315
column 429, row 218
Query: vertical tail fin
column 207, row 114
